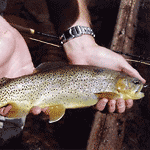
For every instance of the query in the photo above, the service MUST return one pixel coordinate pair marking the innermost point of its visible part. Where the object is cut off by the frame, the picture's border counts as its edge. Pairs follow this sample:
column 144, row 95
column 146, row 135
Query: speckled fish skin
column 72, row 86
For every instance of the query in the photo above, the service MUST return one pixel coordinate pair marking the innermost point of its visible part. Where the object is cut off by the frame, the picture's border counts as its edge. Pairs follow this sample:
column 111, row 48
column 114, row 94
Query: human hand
column 84, row 51
column 37, row 110
column 15, row 59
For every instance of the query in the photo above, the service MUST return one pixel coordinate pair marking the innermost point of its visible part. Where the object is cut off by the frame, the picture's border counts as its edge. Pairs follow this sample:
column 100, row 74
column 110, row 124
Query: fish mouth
column 138, row 91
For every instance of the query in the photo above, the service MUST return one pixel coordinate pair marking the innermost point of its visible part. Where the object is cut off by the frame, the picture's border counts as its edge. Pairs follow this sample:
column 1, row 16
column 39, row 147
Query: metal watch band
column 74, row 32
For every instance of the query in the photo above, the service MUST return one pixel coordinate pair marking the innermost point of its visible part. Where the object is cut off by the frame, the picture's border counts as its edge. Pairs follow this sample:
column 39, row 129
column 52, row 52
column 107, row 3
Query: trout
column 61, row 88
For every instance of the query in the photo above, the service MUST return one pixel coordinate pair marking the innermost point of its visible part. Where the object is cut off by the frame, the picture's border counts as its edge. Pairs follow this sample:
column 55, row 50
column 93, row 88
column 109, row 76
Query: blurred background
column 72, row 131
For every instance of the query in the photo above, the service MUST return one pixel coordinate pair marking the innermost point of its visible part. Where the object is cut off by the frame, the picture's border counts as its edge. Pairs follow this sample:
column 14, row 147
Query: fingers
column 118, row 105
column 111, row 106
column 132, row 72
column 101, row 104
column 37, row 110
column 5, row 110
column 123, row 104
column 129, row 103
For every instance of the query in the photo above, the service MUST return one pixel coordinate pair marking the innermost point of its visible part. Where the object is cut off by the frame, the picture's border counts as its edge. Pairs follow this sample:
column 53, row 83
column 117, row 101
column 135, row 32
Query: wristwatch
column 74, row 32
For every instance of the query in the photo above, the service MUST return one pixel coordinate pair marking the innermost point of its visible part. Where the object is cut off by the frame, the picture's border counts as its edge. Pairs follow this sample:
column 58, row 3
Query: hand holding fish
column 15, row 59
column 18, row 58
column 84, row 51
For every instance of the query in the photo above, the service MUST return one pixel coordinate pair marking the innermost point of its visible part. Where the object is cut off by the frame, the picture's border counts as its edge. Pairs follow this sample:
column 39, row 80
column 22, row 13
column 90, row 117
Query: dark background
column 72, row 131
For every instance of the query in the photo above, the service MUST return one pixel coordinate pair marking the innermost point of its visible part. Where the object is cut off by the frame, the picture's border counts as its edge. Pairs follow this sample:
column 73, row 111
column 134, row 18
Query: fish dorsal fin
column 46, row 66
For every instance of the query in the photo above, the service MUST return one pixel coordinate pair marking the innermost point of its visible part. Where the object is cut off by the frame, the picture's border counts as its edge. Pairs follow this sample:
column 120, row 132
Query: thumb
column 132, row 72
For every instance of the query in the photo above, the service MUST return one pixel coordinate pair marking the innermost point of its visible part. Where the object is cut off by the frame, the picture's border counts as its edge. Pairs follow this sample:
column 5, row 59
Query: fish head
column 129, row 87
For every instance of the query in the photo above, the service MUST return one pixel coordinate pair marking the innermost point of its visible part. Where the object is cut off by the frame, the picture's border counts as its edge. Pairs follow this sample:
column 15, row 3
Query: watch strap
column 74, row 32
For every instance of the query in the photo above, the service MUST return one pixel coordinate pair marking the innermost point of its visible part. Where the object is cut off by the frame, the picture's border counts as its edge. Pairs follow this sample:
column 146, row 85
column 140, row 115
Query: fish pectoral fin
column 108, row 95
column 17, row 111
column 55, row 112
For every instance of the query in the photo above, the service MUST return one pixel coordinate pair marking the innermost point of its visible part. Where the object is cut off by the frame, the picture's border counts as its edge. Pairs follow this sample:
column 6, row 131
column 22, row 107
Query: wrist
column 82, row 41
column 79, row 47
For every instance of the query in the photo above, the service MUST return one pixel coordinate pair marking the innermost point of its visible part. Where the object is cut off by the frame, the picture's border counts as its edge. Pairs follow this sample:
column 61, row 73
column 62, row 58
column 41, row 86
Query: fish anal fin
column 55, row 112
column 108, row 95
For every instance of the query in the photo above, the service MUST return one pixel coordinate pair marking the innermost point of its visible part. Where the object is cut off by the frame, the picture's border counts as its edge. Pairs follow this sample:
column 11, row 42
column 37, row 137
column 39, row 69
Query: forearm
column 82, row 20
column 84, row 17
column 76, row 49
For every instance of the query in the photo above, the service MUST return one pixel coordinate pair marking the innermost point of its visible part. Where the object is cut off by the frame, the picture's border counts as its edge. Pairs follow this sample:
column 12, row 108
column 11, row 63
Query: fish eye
column 136, row 81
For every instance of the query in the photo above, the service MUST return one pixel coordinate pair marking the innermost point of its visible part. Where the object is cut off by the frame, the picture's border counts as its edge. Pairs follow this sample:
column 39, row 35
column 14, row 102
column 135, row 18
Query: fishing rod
column 33, row 31
column 139, row 59
column 131, row 55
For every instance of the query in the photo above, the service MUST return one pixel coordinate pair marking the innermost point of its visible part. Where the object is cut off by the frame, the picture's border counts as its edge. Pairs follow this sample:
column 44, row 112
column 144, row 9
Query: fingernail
column 111, row 106
column 120, row 105
column 1, row 110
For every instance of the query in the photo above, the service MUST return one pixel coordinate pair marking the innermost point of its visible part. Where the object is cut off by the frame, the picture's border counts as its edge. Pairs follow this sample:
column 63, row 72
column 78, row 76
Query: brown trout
column 66, row 87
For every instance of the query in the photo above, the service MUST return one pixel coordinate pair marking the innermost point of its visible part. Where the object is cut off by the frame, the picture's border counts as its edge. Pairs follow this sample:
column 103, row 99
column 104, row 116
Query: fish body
column 61, row 88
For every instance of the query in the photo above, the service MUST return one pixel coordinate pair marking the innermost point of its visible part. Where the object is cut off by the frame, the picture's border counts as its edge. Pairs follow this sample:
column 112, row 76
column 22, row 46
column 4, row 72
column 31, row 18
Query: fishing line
column 55, row 45
column 142, row 62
